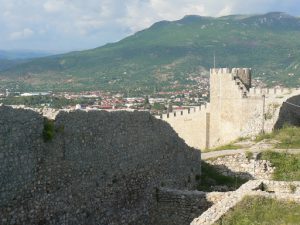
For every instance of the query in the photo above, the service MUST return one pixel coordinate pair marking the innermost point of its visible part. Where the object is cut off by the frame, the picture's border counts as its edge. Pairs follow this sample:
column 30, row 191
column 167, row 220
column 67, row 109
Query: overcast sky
column 64, row 25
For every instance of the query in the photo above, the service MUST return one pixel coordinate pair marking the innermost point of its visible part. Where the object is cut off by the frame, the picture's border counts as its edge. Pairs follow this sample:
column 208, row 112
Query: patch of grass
column 263, row 136
column 211, row 177
column 287, row 166
column 242, row 139
column 288, row 136
column 230, row 146
column 261, row 210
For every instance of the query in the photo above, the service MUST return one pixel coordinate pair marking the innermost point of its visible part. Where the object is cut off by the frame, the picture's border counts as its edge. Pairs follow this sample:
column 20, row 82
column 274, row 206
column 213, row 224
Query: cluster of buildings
column 159, row 102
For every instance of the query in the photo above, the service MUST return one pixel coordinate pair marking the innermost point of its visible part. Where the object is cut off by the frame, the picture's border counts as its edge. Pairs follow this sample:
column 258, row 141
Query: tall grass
column 288, row 137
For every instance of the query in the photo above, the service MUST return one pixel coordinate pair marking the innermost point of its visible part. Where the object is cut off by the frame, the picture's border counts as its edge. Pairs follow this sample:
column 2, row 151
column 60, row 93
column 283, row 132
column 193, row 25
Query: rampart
column 96, row 168
column 235, row 110
column 190, row 124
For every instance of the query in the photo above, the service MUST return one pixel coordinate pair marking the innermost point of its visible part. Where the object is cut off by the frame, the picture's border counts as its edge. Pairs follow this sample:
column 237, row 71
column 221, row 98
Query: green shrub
column 48, row 132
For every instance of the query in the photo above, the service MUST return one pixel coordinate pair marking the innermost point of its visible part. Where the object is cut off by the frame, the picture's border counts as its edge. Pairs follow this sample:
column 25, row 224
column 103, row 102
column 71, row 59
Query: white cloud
column 227, row 10
column 54, row 5
column 23, row 34
column 87, row 23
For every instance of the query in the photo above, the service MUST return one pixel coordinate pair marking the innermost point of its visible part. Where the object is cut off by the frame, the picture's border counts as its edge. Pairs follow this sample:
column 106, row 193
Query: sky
column 65, row 25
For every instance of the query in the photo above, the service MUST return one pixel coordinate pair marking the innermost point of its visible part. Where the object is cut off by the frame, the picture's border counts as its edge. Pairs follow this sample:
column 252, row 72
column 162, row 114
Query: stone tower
column 235, row 110
column 228, row 88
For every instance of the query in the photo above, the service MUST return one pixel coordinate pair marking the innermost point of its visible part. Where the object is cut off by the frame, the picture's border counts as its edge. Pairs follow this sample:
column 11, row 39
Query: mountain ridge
column 169, row 52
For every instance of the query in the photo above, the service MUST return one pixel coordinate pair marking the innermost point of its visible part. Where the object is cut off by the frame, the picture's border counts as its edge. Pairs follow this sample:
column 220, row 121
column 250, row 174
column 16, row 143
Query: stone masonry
column 242, row 166
column 99, row 168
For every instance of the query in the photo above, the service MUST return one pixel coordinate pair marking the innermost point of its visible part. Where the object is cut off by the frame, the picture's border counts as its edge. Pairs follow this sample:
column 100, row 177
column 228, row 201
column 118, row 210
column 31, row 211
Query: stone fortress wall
column 235, row 110
column 191, row 125
column 99, row 168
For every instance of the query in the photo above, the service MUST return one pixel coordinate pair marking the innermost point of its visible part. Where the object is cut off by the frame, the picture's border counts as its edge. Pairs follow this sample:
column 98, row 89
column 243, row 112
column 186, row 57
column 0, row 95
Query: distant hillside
column 169, row 52
column 9, row 59
column 6, row 64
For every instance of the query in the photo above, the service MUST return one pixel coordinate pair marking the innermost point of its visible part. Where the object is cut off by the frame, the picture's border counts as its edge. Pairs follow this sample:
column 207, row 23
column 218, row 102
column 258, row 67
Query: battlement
column 244, row 74
column 235, row 71
column 185, row 112
column 271, row 91
column 220, row 71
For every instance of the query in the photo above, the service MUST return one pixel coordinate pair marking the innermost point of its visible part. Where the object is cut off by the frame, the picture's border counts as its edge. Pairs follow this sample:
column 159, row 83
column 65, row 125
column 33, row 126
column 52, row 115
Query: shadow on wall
column 289, row 113
column 176, row 207
column 221, row 178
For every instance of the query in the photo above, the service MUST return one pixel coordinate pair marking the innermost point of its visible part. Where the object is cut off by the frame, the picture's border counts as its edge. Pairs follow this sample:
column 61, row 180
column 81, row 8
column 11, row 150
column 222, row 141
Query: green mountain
column 169, row 52
column 11, row 58
column 6, row 64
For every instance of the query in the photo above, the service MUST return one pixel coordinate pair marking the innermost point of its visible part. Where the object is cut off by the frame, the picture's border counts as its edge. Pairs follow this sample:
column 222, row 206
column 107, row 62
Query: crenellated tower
column 228, row 90
column 235, row 110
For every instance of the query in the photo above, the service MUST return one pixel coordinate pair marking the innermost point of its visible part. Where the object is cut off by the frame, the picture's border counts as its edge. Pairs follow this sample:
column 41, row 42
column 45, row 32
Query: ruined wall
column 176, row 207
column 100, row 167
column 279, row 190
column 20, row 151
column 242, row 166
